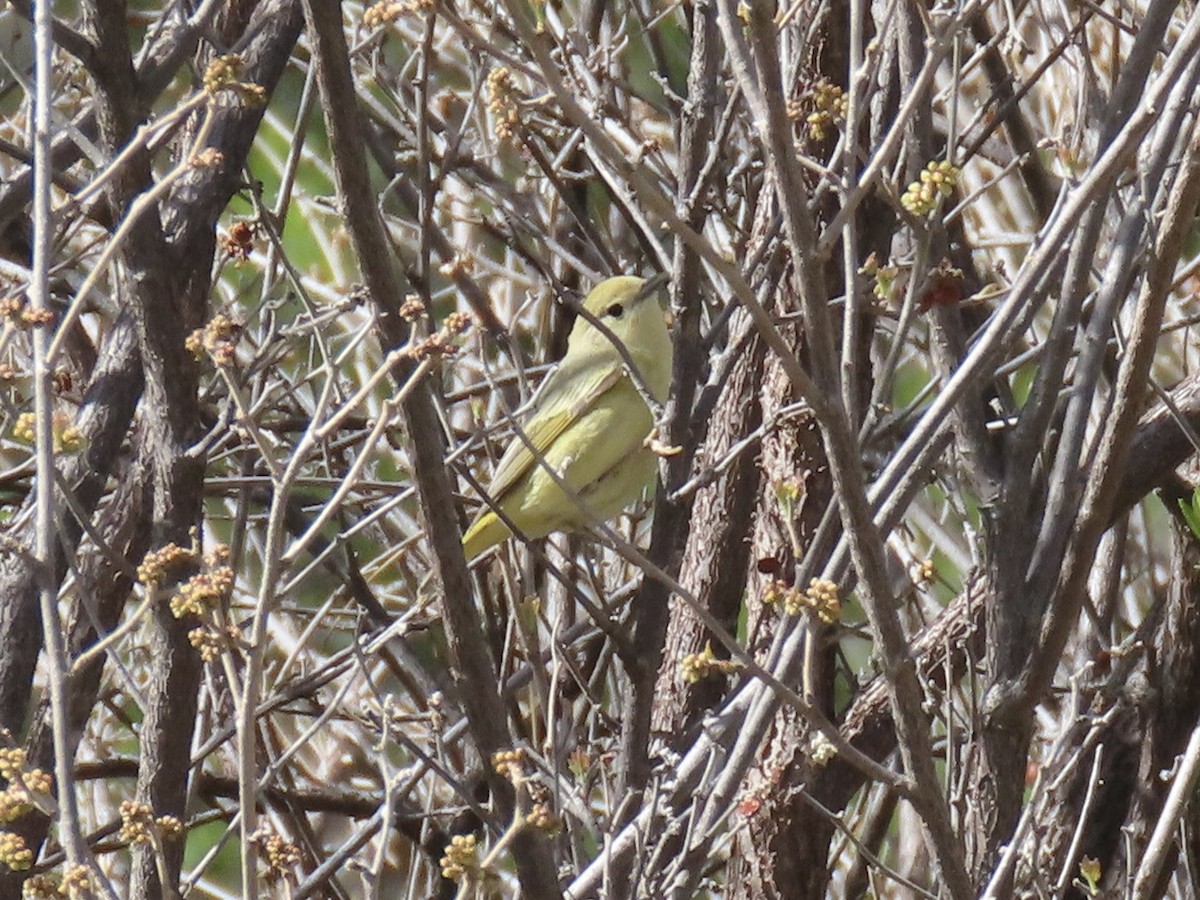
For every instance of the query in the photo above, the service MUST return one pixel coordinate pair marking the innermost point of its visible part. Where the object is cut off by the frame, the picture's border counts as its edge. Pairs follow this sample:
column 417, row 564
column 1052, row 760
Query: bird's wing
column 557, row 414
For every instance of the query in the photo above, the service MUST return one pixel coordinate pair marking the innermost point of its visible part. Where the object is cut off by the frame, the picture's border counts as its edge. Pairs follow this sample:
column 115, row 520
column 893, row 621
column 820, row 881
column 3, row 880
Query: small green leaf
column 1191, row 512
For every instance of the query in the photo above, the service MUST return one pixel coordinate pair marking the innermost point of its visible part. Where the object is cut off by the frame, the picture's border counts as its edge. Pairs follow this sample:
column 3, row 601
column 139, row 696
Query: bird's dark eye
column 616, row 311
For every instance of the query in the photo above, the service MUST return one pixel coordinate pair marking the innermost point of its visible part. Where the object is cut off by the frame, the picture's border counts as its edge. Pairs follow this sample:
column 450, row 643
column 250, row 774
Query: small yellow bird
column 589, row 423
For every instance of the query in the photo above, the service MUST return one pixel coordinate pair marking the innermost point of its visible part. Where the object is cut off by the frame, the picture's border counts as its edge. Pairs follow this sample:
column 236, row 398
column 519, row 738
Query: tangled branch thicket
column 914, row 608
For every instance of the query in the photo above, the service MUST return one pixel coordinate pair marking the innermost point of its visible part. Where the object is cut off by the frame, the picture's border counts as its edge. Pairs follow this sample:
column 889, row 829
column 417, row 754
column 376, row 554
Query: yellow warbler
column 589, row 423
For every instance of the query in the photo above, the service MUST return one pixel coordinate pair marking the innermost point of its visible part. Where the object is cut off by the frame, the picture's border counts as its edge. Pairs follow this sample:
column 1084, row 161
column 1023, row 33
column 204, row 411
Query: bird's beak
column 653, row 285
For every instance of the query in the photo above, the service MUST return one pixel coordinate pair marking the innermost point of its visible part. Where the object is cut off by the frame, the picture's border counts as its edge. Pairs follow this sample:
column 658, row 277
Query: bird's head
column 626, row 306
